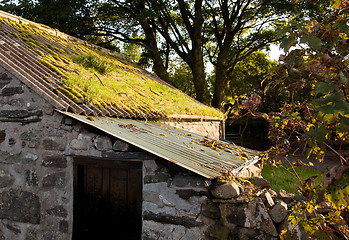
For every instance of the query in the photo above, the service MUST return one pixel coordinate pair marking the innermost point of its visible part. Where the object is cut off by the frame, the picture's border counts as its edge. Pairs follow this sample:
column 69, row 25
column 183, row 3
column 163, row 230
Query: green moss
column 95, row 62
column 51, row 67
column 70, row 95
column 97, row 104
column 41, row 54
column 76, row 93
column 53, row 48
column 125, row 85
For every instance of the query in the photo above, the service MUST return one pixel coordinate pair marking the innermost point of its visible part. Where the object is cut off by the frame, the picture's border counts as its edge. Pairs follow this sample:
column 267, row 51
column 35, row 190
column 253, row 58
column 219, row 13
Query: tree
column 70, row 16
column 181, row 77
column 222, row 31
column 228, row 31
column 131, row 22
column 249, row 74
column 316, row 59
column 23, row 8
column 176, row 27
column 234, row 31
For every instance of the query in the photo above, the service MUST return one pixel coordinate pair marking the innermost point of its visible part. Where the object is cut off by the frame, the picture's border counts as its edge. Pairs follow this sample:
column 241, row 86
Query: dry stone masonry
column 37, row 149
column 37, row 146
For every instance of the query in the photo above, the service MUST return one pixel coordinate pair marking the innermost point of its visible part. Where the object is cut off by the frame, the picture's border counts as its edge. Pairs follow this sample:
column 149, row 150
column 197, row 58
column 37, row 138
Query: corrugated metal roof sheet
column 32, row 52
column 204, row 156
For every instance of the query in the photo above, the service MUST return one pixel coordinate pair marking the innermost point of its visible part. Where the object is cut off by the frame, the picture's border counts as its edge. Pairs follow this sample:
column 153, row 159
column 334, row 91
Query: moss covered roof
column 85, row 79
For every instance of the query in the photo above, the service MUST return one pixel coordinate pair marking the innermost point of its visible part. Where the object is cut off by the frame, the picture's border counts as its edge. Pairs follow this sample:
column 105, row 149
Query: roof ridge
column 63, row 35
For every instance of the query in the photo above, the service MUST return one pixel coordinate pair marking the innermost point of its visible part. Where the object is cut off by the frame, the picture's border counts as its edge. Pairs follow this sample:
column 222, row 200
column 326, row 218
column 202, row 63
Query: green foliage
column 248, row 75
column 317, row 220
column 182, row 78
column 315, row 110
column 318, row 56
column 317, row 50
column 70, row 16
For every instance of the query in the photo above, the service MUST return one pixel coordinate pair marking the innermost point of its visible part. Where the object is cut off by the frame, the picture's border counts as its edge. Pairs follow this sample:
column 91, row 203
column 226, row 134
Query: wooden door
column 107, row 199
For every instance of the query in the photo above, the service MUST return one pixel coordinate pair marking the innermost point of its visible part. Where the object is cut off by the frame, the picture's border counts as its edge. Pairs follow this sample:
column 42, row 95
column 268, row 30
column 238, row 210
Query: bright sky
column 275, row 52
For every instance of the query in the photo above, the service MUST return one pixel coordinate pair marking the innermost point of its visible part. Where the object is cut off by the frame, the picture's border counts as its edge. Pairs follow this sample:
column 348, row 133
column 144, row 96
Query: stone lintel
column 129, row 155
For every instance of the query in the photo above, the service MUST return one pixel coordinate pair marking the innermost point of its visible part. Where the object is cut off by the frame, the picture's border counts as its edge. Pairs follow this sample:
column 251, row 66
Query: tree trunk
column 159, row 67
column 219, row 86
column 221, row 79
column 196, row 56
column 151, row 44
column 198, row 69
column 200, row 84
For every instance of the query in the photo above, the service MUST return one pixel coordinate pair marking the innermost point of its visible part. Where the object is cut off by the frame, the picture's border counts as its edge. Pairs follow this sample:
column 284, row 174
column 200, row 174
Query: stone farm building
column 93, row 146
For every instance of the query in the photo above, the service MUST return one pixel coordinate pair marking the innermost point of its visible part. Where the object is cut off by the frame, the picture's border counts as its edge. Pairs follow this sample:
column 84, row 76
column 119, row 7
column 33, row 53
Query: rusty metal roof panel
column 206, row 157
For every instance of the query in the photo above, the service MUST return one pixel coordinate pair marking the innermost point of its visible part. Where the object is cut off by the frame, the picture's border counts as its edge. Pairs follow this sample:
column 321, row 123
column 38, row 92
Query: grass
column 280, row 178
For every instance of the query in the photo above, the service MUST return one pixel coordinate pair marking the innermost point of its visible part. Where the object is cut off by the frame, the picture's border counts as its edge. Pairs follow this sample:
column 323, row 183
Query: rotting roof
column 78, row 77
column 206, row 157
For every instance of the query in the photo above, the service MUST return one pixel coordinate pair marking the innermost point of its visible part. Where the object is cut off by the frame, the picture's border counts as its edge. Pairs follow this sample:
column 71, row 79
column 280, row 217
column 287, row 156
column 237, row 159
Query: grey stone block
column 31, row 178
column 226, row 190
column 55, row 161
column 103, row 143
column 10, row 91
column 54, row 180
column 170, row 219
column 58, row 211
column 279, row 212
column 182, row 181
column 21, row 158
column 158, row 177
column 6, row 179
column 249, row 215
column 20, row 206
column 54, row 143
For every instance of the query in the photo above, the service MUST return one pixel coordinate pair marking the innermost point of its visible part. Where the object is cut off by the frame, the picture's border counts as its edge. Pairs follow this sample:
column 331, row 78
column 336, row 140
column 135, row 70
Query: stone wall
column 172, row 204
column 37, row 146
column 211, row 129
column 186, row 206
column 35, row 170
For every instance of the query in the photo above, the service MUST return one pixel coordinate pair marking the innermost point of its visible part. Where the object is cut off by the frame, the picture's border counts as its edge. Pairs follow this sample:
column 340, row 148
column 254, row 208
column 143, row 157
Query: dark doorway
column 107, row 199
